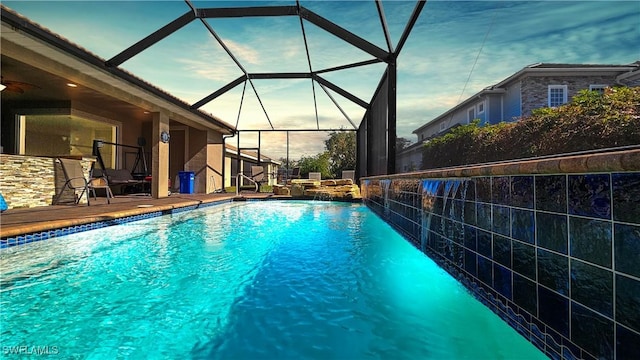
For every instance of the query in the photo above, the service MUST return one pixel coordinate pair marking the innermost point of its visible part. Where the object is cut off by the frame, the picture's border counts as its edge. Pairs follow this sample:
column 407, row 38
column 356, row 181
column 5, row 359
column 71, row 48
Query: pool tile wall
column 557, row 256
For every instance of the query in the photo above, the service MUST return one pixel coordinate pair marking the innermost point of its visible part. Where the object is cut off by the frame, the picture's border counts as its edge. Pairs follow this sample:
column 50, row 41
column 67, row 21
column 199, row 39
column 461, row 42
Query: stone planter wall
column 30, row 181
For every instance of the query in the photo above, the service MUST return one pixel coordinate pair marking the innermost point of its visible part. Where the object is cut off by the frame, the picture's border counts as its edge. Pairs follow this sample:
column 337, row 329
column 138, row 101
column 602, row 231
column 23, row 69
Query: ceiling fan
column 16, row 86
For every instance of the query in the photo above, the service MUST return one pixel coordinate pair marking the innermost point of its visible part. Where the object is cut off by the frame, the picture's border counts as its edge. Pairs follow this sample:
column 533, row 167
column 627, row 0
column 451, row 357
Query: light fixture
column 2, row 87
column 72, row 85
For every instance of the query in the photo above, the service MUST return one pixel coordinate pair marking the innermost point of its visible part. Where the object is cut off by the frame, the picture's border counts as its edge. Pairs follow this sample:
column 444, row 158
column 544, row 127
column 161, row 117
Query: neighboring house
column 535, row 86
column 410, row 158
column 248, row 158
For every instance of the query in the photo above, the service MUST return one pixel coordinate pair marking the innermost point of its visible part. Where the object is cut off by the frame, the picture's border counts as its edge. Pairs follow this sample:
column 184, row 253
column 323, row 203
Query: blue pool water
column 261, row 280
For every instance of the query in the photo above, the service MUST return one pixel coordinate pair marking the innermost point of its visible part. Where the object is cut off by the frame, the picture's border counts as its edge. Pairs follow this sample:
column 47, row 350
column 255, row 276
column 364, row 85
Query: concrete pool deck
column 21, row 221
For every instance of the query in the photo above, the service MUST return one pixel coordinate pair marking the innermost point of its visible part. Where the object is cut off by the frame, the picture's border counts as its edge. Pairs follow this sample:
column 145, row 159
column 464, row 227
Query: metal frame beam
column 412, row 21
column 344, row 34
column 264, row 76
column 340, row 91
column 219, row 92
column 385, row 27
column 153, row 38
column 234, row 12
column 349, row 66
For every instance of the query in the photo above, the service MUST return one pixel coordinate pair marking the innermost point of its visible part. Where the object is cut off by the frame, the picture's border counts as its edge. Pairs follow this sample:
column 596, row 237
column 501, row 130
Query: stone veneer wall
column 534, row 89
column 551, row 246
column 30, row 181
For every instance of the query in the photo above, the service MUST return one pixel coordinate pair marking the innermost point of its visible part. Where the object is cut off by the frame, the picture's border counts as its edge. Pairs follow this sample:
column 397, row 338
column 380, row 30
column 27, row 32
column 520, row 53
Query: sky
column 456, row 49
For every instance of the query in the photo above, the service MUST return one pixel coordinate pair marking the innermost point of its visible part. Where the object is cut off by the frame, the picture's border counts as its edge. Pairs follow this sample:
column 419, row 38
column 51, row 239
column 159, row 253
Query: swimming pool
column 245, row 281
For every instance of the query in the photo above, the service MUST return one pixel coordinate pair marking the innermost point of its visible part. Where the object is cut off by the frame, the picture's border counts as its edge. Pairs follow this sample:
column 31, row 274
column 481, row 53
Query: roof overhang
column 31, row 47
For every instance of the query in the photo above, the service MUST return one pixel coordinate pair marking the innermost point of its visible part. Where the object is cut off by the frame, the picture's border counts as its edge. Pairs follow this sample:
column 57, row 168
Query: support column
column 160, row 157
column 391, row 118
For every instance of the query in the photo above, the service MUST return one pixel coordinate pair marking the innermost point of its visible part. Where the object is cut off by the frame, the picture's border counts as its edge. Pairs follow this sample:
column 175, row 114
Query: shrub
column 590, row 121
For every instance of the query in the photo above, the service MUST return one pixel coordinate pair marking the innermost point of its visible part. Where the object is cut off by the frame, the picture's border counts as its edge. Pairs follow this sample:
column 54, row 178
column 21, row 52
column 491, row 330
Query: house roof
column 251, row 154
column 23, row 37
column 630, row 74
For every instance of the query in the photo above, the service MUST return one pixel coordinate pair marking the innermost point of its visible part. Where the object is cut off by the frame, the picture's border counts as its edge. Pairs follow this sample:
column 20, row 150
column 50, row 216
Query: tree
column 402, row 143
column 341, row 149
column 317, row 163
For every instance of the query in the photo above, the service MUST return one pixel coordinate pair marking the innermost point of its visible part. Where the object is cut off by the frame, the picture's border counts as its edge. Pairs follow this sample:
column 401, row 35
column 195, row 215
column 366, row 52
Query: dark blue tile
column 501, row 220
column 485, row 270
column 471, row 263
column 483, row 189
column 502, row 250
column 522, row 225
column 470, row 234
column 484, row 216
column 553, row 271
column 590, row 195
column 627, row 249
column 469, row 213
column 627, row 343
column 591, row 331
column 551, row 193
column 484, row 243
column 553, row 310
column 626, row 197
column 552, row 232
column 522, row 191
column 468, row 191
column 524, row 259
column 500, row 190
column 592, row 286
column 502, row 280
column 590, row 240
column 525, row 294
column 435, row 224
column 457, row 253
column 628, row 302
column 457, row 210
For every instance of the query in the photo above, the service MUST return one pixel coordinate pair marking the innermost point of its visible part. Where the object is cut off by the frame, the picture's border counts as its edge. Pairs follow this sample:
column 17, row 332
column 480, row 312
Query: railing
column 246, row 177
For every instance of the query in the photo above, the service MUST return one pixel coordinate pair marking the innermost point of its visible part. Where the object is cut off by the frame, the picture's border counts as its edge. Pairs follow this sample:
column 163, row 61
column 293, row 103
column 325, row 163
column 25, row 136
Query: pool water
column 260, row 280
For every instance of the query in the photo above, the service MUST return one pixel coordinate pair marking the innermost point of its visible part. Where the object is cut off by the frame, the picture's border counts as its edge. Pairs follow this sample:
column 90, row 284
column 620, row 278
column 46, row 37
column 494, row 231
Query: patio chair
column 295, row 173
column 75, row 181
column 257, row 175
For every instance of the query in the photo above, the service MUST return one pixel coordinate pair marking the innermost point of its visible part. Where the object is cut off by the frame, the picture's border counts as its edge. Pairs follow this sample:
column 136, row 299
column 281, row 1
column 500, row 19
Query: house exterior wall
column 409, row 159
column 512, row 102
column 214, row 161
column 494, row 109
column 197, row 158
column 535, row 88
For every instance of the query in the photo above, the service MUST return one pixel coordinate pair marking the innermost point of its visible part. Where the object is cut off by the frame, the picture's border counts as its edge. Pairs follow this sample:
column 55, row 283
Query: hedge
column 590, row 121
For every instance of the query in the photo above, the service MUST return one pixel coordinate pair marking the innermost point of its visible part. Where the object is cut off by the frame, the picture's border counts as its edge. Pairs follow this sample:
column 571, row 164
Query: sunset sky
column 456, row 49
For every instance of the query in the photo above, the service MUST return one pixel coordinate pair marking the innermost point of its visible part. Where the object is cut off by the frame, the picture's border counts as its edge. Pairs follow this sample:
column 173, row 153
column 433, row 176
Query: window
column 557, row 95
column 443, row 126
column 64, row 135
column 598, row 88
column 481, row 107
column 421, row 136
column 471, row 114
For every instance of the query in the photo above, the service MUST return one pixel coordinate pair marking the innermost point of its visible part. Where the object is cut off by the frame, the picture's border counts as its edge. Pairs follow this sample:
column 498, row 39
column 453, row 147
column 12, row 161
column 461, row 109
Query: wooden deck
column 16, row 222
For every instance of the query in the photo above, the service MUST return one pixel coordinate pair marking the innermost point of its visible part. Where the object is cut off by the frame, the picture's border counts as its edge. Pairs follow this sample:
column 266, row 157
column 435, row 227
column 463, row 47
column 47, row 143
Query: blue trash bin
column 187, row 179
